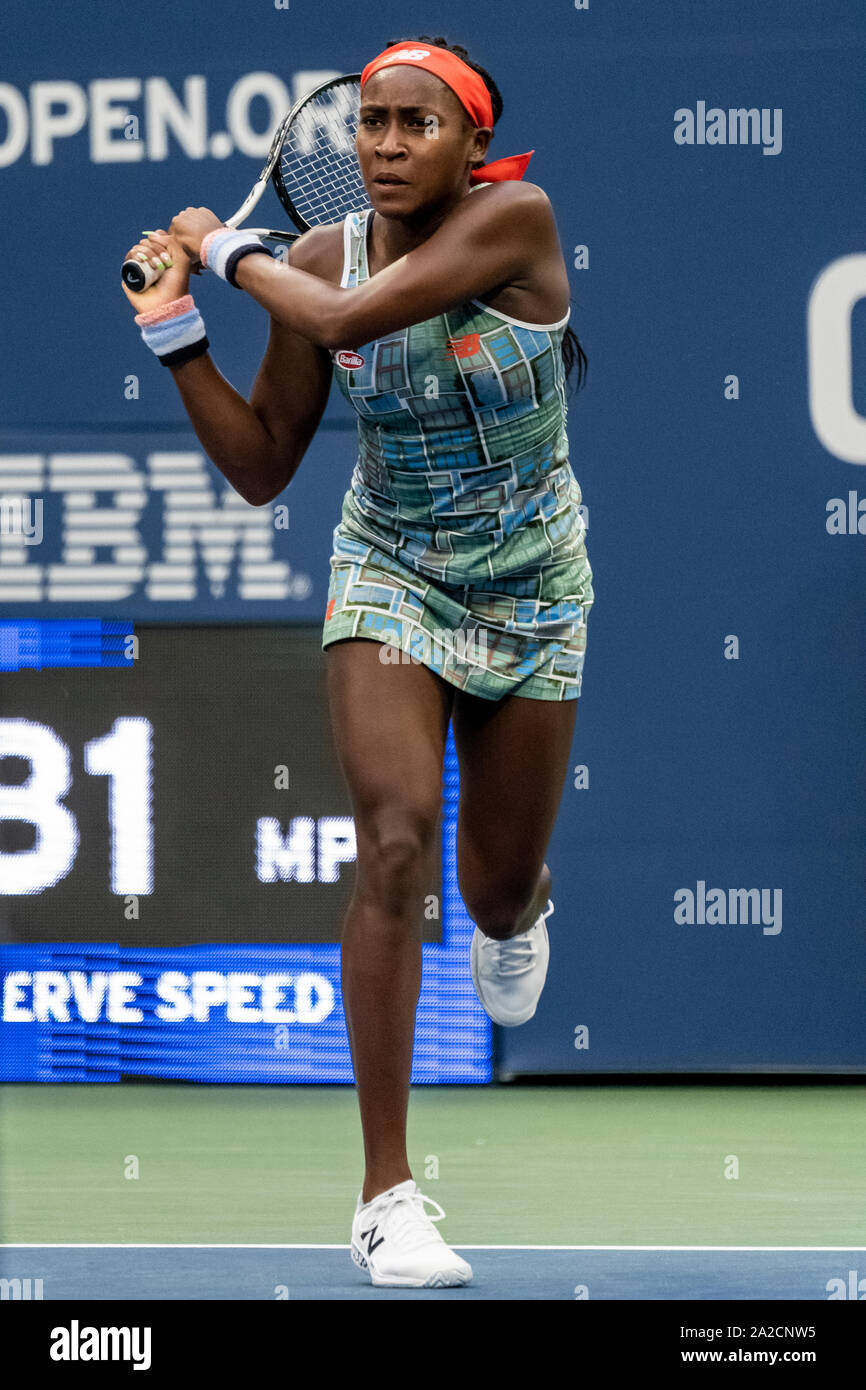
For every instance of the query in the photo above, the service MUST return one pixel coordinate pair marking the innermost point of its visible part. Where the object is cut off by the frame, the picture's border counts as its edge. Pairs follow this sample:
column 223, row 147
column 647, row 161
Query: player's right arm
column 258, row 444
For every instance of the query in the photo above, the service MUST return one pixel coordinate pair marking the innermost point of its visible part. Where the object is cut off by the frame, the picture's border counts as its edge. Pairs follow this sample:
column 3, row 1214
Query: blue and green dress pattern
column 461, row 543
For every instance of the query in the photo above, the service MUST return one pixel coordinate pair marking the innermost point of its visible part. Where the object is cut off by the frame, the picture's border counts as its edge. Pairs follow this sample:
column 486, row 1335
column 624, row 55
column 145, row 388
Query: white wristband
column 222, row 249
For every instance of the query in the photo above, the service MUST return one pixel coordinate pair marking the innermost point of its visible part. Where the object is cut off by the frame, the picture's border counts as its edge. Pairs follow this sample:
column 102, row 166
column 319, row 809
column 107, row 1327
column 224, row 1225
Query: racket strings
column 318, row 164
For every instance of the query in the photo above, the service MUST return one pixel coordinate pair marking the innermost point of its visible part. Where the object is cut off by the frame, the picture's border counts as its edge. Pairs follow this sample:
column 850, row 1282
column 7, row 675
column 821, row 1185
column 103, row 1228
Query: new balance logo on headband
column 410, row 55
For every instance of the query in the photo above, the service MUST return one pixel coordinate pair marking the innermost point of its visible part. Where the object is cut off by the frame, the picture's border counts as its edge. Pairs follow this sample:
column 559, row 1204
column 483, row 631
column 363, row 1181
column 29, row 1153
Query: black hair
column 572, row 352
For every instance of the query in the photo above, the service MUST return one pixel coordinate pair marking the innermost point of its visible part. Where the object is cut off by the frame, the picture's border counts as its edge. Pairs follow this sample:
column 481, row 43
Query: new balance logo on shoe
column 371, row 1243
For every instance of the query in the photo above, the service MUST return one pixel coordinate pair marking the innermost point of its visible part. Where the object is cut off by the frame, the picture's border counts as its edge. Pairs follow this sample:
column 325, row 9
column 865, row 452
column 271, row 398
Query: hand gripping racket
column 313, row 165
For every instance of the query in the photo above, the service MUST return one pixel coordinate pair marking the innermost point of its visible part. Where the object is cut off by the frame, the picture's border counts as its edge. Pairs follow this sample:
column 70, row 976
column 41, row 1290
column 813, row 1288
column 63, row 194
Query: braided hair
column 572, row 352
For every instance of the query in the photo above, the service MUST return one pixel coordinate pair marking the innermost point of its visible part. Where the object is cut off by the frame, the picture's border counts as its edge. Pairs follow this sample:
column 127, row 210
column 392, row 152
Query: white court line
column 161, row 1246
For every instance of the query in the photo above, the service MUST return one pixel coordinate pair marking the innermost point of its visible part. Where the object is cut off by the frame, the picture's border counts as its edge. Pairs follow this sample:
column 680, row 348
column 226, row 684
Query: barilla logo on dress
column 467, row 346
column 344, row 358
column 411, row 55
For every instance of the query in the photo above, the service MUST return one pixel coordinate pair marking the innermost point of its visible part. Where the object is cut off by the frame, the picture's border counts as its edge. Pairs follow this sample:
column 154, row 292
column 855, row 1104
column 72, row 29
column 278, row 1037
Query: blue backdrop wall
column 709, row 857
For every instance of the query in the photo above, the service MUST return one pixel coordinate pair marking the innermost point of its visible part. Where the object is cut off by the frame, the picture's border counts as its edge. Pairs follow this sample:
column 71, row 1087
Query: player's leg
column 514, row 756
column 390, row 725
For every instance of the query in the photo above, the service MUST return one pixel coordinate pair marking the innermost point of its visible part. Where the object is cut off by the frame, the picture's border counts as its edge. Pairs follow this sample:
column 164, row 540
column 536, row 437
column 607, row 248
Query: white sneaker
column 395, row 1240
column 509, row 975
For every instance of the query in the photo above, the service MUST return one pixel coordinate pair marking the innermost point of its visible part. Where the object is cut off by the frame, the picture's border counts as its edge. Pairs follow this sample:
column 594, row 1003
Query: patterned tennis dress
column 461, row 543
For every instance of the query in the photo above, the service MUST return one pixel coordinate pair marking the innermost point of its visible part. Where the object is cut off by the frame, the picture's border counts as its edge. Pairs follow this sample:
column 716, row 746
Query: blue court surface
column 321, row 1272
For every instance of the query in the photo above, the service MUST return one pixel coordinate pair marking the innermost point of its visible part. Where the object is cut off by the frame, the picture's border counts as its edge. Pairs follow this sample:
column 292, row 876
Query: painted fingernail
column 141, row 257
column 167, row 261
column 157, row 263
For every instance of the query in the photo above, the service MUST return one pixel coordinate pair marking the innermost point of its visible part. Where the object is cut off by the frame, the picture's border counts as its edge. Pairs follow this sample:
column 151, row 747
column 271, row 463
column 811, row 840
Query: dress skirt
column 519, row 635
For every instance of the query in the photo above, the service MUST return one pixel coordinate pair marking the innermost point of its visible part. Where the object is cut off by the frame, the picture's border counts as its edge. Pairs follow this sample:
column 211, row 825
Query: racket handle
column 139, row 275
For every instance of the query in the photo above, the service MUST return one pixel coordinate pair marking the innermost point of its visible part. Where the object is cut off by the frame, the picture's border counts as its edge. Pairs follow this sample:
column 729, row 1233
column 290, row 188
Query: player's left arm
column 491, row 239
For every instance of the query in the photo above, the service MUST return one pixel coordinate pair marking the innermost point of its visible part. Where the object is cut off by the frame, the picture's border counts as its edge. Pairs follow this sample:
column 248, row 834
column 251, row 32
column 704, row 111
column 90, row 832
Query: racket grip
column 139, row 275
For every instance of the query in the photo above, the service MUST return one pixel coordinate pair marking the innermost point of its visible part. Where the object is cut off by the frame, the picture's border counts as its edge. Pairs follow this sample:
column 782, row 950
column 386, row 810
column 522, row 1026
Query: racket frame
column 270, row 171
column 270, row 167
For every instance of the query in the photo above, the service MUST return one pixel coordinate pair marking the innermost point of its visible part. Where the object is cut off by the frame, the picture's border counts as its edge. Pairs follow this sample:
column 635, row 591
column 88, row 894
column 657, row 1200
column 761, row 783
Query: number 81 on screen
column 124, row 756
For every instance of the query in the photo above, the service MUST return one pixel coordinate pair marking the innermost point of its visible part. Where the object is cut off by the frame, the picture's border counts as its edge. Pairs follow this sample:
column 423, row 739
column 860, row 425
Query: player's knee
column 395, row 851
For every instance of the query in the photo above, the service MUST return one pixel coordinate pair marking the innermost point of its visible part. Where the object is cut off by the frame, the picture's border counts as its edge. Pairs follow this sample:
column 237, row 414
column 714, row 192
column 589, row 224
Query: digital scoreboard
column 177, row 852
column 193, row 797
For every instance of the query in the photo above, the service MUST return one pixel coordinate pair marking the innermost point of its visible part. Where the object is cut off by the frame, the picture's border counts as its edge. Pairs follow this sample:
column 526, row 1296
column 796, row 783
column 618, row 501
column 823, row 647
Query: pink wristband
column 172, row 310
column 203, row 249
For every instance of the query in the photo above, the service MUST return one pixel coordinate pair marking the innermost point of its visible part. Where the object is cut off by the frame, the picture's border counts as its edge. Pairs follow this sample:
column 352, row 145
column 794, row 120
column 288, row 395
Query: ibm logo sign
column 103, row 558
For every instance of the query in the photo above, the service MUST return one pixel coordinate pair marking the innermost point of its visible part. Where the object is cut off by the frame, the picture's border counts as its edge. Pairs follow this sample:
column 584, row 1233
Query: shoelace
column 517, row 954
column 513, row 957
column 410, row 1223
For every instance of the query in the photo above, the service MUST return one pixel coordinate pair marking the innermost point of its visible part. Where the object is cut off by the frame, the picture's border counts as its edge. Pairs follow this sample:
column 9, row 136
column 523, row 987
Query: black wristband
column 238, row 255
column 185, row 354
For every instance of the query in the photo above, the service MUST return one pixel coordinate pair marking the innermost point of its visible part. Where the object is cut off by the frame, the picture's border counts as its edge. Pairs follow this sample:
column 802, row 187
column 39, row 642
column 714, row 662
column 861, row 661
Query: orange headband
column 468, row 86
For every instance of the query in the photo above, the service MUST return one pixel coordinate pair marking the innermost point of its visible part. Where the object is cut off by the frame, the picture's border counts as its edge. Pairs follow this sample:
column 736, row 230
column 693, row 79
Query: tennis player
column 442, row 311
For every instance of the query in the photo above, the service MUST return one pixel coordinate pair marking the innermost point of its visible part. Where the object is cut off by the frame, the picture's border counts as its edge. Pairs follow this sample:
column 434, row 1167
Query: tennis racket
column 313, row 166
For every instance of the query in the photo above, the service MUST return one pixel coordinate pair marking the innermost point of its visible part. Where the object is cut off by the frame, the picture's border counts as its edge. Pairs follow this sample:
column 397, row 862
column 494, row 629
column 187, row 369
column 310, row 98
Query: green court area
column 649, row 1165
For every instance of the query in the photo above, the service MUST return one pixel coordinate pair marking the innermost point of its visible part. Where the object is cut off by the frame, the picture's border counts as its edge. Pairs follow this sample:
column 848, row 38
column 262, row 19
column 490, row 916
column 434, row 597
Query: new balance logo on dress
column 467, row 346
